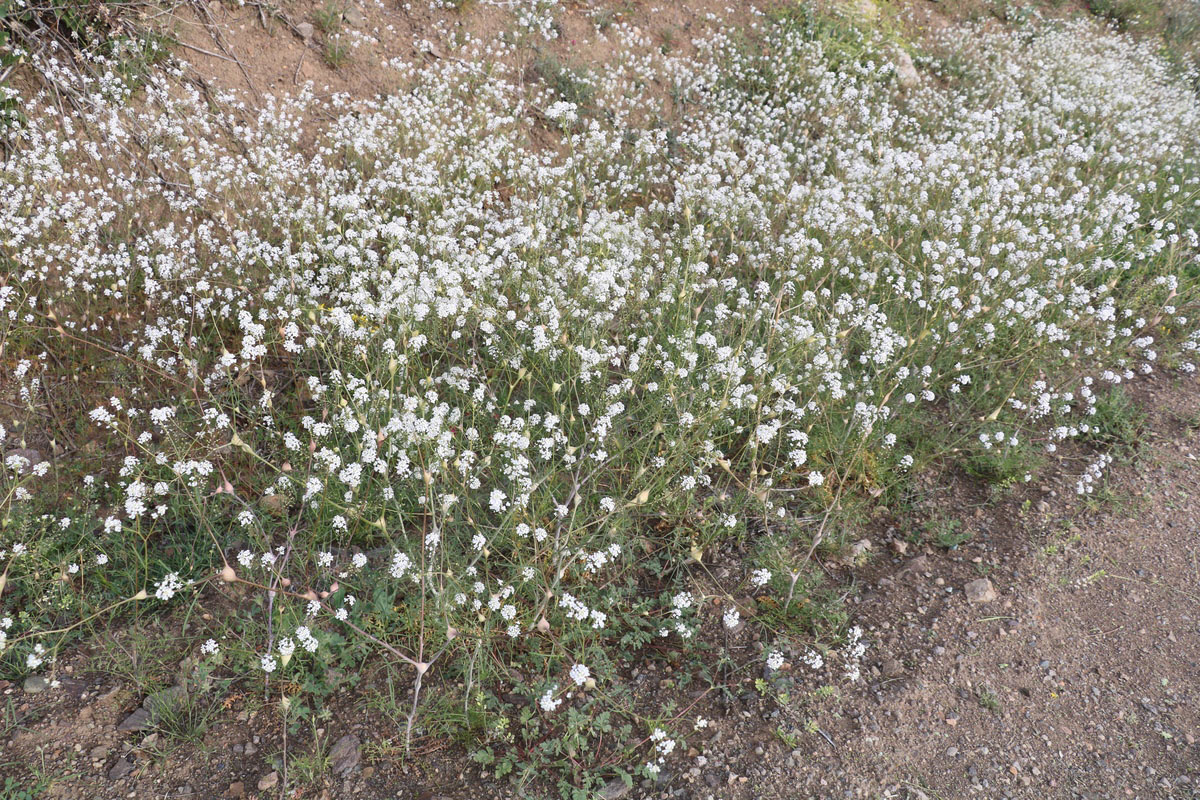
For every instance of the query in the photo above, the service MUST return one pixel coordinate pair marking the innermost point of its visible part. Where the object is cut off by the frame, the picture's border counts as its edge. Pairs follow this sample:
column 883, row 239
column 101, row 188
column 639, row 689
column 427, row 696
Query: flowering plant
column 427, row 391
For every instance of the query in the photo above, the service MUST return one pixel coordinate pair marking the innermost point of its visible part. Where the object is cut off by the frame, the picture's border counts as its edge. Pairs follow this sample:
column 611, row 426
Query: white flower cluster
column 664, row 745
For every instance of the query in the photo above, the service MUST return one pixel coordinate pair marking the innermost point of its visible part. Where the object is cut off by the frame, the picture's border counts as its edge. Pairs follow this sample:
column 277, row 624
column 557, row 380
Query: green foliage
column 947, row 532
column 1002, row 464
column 337, row 52
column 988, row 699
column 1128, row 12
column 567, row 83
column 329, row 17
column 14, row 789
column 1117, row 422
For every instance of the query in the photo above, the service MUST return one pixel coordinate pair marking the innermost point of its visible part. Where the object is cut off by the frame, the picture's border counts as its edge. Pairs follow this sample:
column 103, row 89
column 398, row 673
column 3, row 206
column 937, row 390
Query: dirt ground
column 1080, row 679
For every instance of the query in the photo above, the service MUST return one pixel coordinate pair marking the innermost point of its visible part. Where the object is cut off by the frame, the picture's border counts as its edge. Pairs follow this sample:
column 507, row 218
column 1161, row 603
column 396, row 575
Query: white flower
column 563, row 112
column 548, row 701
column 774, row 660
column 168, row 586
column 400, row 565
column 34, row 659
column 210, row 647
column 731, row 617
column 580, row 674
column 307, row 640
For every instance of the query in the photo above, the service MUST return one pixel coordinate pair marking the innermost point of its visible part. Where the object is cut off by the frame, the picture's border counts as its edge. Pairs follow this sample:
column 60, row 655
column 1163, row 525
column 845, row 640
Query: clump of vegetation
column 429, row 396
column 568, row 84
column 1128, row 12
column 329, row 18
column 948, row 532
column 336, row 51
column 1115, row 421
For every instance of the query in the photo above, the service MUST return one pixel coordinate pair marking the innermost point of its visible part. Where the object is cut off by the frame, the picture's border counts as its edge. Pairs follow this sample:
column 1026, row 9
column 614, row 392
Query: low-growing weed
column 947, row 532
column 337, row 52
column 329, row 18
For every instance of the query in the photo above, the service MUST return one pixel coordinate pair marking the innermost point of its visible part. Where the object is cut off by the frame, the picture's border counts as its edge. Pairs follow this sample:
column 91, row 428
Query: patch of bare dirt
column 259, row 49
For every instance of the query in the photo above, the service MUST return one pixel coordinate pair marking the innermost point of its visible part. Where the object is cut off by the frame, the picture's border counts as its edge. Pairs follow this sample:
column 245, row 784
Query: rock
column 906, row 71
column 858, row 552
column 915, row 566
column 120, row 769
column 305, row 29
column 31, row 458
column 155, row 707
column 277, row 504
column 98, row 753
column 111, row 699
column 614, row 789
column 136, row 721
column 747, row 606
column 236, row 790
column 163, row 703
column 899, row 547
column 35, row 684
column 892, row 668
column 249, row 749
column 980, row 591
column 345, row 754
column 268, row 781
column 354, row 17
